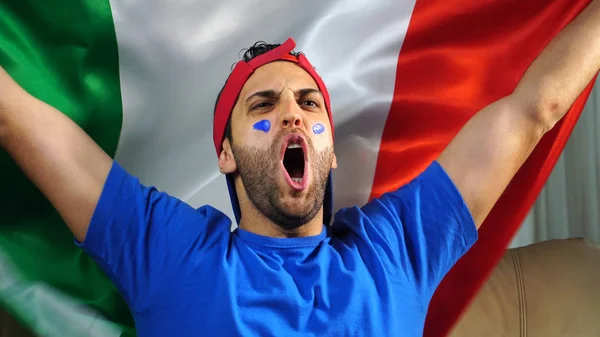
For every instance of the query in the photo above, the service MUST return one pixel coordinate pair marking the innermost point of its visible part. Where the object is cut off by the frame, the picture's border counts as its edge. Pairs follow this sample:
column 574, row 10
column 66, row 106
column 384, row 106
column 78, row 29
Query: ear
column 334, row 162
column 227, row 162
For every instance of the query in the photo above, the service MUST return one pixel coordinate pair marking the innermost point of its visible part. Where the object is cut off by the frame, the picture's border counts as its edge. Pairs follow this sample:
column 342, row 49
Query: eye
column 310, row 103
column 261, row 105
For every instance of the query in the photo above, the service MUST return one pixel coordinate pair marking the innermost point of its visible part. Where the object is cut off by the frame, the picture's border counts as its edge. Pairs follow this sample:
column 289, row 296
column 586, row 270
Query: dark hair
column 255, row 50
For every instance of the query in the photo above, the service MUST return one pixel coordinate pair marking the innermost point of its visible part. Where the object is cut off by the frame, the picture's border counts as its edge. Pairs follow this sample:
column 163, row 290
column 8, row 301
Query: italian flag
column 141, row 77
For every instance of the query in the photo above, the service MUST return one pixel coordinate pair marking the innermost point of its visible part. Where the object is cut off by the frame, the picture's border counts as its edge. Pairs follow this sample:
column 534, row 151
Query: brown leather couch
column 10, row 328
column 548, row 289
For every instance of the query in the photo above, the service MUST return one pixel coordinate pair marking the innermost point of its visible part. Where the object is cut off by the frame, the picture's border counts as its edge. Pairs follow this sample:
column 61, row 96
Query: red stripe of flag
column 458, row 57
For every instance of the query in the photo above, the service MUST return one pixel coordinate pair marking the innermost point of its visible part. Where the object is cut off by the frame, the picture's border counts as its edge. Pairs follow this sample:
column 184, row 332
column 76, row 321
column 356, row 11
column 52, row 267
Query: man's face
column 282, row 144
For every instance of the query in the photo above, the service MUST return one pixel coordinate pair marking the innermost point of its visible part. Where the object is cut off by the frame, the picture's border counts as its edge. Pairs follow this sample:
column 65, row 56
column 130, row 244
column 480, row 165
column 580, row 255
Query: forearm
column 54, row 152
column 488, row 151
column 560, row 73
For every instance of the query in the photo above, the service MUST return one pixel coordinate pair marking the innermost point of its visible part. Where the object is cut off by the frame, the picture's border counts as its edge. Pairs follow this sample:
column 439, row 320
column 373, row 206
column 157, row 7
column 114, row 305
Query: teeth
column 297, row 180
column 293, row 146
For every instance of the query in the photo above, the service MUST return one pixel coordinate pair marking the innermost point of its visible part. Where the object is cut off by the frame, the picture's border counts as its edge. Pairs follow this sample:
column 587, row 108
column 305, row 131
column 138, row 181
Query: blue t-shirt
column 372, row 273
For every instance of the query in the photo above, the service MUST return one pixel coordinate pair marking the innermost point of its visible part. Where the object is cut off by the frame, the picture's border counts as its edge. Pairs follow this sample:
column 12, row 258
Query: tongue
column 295, row 172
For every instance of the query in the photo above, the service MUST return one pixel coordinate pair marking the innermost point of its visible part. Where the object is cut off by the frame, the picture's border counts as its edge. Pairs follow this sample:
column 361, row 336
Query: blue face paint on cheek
column 318, row 128
column 264, row 125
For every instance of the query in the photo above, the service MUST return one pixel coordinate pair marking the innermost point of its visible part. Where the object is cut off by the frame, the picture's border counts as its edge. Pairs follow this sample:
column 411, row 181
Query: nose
column 291, row 120
column 292, row 117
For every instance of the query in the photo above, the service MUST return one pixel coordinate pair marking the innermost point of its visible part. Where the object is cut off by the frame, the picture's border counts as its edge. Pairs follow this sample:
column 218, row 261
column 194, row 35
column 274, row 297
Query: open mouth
column 294, row 161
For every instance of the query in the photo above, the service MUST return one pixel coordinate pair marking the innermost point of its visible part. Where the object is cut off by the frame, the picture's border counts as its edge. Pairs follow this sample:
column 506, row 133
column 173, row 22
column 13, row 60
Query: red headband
column 243, row 70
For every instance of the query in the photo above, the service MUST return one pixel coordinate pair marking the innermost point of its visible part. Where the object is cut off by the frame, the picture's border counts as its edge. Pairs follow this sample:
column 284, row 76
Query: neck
column 255, row 222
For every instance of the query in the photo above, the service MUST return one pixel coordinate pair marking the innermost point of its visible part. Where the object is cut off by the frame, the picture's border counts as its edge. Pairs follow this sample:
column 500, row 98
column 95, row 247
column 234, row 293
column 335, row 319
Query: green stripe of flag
column 65, row 53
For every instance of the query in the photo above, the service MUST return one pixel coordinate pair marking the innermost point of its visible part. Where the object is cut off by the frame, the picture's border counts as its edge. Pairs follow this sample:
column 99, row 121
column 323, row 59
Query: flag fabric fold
column 141, row 78
column 64, row 53
column 454, row 63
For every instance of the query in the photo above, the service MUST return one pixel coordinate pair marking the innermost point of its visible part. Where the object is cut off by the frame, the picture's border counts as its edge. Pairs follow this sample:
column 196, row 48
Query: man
column 284, row 270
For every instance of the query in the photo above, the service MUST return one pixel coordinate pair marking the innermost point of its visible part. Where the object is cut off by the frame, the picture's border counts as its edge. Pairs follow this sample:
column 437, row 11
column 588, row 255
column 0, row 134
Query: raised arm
column 55, row 153
column 486, row 154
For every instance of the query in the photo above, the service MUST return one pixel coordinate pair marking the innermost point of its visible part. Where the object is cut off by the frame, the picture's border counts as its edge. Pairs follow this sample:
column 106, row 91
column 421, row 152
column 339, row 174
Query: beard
column 258, row 170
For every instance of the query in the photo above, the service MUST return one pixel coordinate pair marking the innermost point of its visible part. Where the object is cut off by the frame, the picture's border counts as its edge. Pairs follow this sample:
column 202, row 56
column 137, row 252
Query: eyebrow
column 308, row 91
column 272, row 94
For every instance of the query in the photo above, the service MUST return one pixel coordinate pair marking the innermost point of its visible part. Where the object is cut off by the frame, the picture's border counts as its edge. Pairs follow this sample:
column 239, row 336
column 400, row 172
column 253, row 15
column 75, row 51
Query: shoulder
column 428, row 207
